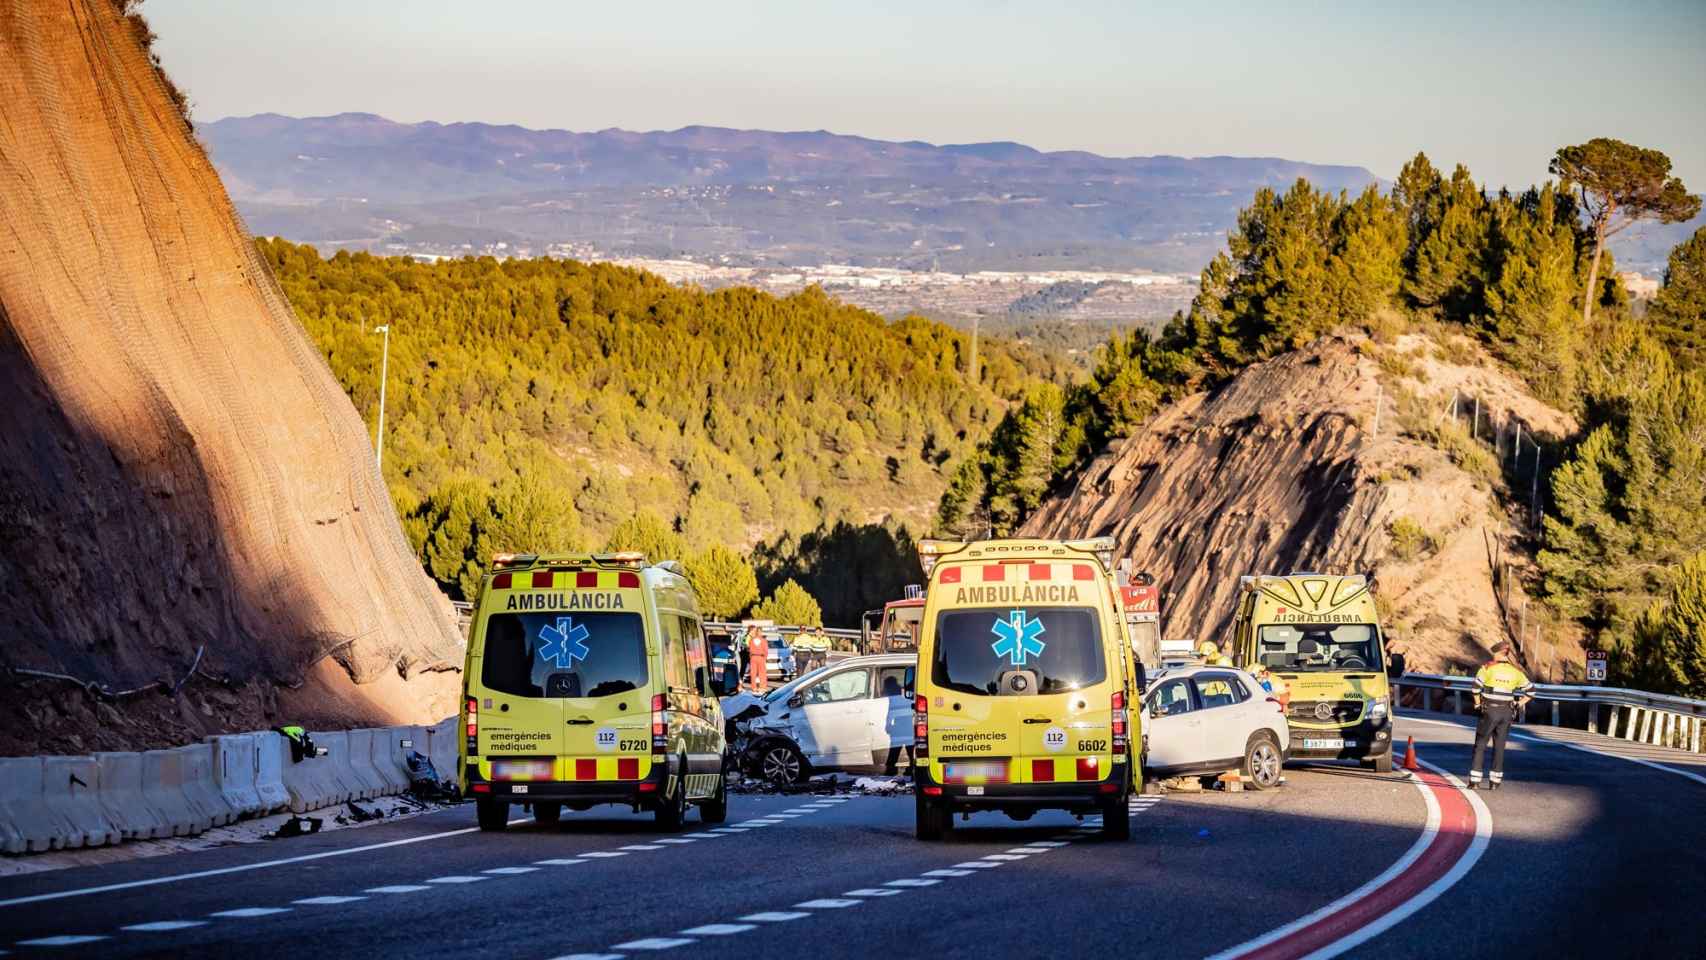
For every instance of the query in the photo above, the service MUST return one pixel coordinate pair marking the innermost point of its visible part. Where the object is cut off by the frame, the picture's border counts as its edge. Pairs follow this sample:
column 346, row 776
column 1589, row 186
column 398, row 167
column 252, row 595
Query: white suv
column 1202, row 720
column 850, row 716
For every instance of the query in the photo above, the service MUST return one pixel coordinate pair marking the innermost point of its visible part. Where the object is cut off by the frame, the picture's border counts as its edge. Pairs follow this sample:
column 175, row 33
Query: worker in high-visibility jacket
column 1501, row 688
column 1211, row 655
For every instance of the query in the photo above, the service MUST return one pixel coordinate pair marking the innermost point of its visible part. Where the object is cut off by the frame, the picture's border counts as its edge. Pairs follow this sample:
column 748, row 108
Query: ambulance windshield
column 564, row 654
column 1013, row 652
column 1318, row 646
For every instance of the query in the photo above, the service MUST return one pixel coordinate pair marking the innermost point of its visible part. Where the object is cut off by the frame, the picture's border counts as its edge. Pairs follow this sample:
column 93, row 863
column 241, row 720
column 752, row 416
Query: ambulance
column 1321, row 634
column 1024, row 682
column 587, row 683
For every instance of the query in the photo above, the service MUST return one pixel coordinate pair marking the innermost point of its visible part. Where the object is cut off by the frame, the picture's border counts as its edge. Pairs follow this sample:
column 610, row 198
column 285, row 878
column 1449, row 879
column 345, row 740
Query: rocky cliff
column 183, row 486
column 1288, row 467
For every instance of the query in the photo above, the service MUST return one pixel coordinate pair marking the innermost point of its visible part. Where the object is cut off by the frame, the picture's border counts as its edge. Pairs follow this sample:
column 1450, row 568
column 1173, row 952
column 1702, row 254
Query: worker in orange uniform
column 1274, row 684
column 757, row 659
column 1501, row 688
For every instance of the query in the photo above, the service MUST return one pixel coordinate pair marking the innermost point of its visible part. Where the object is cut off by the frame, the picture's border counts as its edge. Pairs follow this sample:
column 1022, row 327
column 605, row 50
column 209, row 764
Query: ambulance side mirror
column 909, row 683
column 1142, row 679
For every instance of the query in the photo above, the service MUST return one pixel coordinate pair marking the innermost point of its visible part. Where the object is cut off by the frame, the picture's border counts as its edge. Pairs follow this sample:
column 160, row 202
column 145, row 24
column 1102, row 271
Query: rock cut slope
column 182, row 482
column 1282, row 470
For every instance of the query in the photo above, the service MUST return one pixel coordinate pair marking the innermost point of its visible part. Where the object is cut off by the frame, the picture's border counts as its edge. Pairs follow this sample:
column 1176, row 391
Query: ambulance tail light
column 920, row 726
column 1118, row 721
column 473, row 726
column 660, row 727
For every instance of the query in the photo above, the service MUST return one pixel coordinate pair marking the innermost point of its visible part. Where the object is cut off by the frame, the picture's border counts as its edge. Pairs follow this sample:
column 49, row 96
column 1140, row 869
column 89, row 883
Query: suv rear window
column 980, row 651
column 564, row 655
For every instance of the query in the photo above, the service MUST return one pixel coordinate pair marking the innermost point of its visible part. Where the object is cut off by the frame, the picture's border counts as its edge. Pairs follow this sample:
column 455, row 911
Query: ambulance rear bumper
column 632, row 792
column 1074, row 795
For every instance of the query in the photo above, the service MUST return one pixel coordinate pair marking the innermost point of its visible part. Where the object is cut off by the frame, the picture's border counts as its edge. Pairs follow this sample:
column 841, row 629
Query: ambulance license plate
column 1327, row 744
column 974, row 791
column 988, row 771
column 518, row 788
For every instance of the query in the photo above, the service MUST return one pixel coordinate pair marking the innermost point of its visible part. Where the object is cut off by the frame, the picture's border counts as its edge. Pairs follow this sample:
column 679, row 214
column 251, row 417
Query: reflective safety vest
column 1502, row 683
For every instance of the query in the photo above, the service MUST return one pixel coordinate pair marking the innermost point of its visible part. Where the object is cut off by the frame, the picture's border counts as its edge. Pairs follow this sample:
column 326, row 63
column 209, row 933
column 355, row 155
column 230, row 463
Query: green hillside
column 539, row 403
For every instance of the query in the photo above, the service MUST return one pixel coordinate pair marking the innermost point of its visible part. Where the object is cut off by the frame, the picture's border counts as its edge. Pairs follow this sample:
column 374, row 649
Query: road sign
column 1596, row 666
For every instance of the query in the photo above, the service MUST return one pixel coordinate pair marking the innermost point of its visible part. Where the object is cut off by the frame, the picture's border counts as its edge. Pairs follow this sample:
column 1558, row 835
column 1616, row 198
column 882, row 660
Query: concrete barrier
column 272, row 755
column 199, row 786
column 361, row 764
column 35, row 825
column 70, row 786
column 346, row 785
column 392, row 758
column 444, row 748
column 163, row 789
column 235, row 757
column 120, row 795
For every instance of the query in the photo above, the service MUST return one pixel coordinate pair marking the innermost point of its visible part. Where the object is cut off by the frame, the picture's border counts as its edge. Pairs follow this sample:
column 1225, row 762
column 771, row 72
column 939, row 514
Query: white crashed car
column 851, row 716
column 1204, row 720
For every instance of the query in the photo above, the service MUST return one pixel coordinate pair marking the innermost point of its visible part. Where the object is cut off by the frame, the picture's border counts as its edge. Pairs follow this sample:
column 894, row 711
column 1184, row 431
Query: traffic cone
column 1410, row 756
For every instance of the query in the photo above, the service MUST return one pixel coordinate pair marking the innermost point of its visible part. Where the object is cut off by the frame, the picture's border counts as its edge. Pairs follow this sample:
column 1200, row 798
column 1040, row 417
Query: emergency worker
column 1274, row 684
column 757, row 659
column 1212, row 656
column 1501, row 688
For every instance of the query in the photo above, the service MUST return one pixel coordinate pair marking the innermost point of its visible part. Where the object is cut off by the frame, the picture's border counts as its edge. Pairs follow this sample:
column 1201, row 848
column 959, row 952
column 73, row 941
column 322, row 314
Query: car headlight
column 1377, row 711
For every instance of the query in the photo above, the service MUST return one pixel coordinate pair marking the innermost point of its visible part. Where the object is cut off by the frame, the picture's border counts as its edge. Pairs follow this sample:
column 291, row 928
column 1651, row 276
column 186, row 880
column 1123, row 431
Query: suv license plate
column 1327, row 744
column 974, row 791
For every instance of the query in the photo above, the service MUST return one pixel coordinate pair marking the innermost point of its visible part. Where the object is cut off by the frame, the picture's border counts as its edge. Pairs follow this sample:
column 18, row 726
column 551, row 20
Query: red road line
column 1451, row 835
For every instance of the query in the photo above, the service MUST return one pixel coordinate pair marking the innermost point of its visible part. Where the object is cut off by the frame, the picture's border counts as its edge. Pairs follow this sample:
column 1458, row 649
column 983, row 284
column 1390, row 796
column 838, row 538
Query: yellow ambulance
column 1321, row 635
column 586, row 683
column 1022, row 694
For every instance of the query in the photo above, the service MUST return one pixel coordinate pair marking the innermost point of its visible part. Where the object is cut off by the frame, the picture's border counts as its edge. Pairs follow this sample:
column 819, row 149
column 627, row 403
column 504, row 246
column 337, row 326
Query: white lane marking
column 1697, row 778
column 1046, row 843
column 457, row 879
column 873, row 892
column 786, row 816
column 108, row 888
column 246, row 913
column 675, row 840
column 1004, row 857
column 774, row 916
column 510, row 871
column 64, row 940
column 604, row 854
column 643, row 846
column 729, row 830
column 398, row 888
column 946, row 873
column 589, row 956
column 755, row 823
column 912, row 882
column 654, row 943
column 704, row 836
column 560, row 862
column 161, row 926
column 797, row 811
column 977, row 865
column 720, row 929
column 828, row 903
column 326, row 901
column 1027, row 851
column 1483, row 834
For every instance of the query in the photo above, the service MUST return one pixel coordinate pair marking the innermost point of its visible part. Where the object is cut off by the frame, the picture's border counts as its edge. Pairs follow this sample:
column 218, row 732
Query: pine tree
column 724, row 582
column 1678, row 313
column 1531, row 300
column 1666, row 652
column 790, row 605
column 649, row 535
column 1446, row 264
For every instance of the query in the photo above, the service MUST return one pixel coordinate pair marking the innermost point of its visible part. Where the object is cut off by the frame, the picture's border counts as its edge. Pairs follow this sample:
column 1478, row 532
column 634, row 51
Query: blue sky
column 1497, row 86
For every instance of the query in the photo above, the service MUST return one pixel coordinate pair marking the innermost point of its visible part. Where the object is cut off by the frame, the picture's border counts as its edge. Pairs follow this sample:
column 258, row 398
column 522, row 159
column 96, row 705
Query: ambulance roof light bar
column 1102, row 547
column 621, row 558
column 501, row 560
column 930, row 551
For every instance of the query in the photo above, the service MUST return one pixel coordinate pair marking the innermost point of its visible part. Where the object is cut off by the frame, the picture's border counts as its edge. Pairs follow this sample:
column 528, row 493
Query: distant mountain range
column 754, row 197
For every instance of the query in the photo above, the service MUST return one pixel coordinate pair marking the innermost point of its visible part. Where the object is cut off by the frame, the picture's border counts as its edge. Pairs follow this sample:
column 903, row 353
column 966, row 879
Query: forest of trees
column 1623, row 547
column 554, row 405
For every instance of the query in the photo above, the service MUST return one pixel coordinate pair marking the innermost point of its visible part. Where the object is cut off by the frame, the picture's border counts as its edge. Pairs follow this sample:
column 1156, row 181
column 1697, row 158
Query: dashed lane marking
column 643, row 846
column 323, row 901
column 249, row 913
column 161, row 926
column 589, row 956
column 774, row 916
column 1026, row 851
column 1004, row 857
column 675, row 840
column 654, row 943
column 913, row 882
column 67, row 940
column 828, row 903
column 946, row 872
column 604, row 854
column 457, row 879
column 719, row 929
column 560, row 862
column 705, row 836
column 1048, row 843
column 728, row 830
column 510, row 871
column 977, row 865
column 399, row 888
column 873, row 892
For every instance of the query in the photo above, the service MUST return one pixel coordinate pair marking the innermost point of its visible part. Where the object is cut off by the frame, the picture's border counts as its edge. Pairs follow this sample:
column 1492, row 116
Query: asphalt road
column 1586, row 854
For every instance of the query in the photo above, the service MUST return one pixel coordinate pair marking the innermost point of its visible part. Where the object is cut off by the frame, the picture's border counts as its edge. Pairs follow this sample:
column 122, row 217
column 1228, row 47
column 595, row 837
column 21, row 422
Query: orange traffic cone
column 1410, row 756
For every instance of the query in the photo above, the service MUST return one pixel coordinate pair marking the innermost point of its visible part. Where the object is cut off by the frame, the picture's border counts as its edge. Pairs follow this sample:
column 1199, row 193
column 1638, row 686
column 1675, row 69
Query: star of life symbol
column 1018, row 637
column 564, row 643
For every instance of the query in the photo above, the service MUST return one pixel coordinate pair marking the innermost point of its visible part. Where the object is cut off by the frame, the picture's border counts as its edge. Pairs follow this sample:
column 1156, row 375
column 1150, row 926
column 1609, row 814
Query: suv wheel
column 781, row 763
column 1380, row 764
column 1262, row 762
column 492, row 814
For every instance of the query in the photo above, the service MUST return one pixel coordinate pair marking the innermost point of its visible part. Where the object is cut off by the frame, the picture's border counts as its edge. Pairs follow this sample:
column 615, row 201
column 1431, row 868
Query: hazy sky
column 1495, row 85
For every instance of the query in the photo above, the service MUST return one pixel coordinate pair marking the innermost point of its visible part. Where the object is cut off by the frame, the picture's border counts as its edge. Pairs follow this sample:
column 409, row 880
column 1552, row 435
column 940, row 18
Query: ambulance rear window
column 979, row 651
column 564, row 654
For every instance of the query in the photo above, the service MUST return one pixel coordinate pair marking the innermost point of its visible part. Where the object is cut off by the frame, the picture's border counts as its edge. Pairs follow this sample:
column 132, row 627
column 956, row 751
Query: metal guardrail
column 1636, row 715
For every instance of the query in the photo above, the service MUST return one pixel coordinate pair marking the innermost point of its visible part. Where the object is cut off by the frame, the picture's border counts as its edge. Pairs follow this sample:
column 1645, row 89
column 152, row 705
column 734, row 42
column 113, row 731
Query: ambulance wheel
column 1380, row 764
column 1116, row 822
column 672, row 809
column 492, row 814
column 1262, row 762
column 934, row 820
column 547, row 813
column 716, row 809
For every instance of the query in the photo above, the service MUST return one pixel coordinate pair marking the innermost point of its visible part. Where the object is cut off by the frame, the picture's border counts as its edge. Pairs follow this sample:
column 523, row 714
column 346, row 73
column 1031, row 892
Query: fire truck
column 894, row 628
column 1141, row 600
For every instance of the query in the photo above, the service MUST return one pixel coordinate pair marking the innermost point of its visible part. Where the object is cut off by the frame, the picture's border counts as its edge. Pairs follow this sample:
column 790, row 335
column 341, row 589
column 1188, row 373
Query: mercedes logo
column 1324, row 710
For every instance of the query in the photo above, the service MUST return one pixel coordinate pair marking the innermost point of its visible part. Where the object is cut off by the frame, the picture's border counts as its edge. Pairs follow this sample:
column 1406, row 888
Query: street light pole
column 384, row 367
